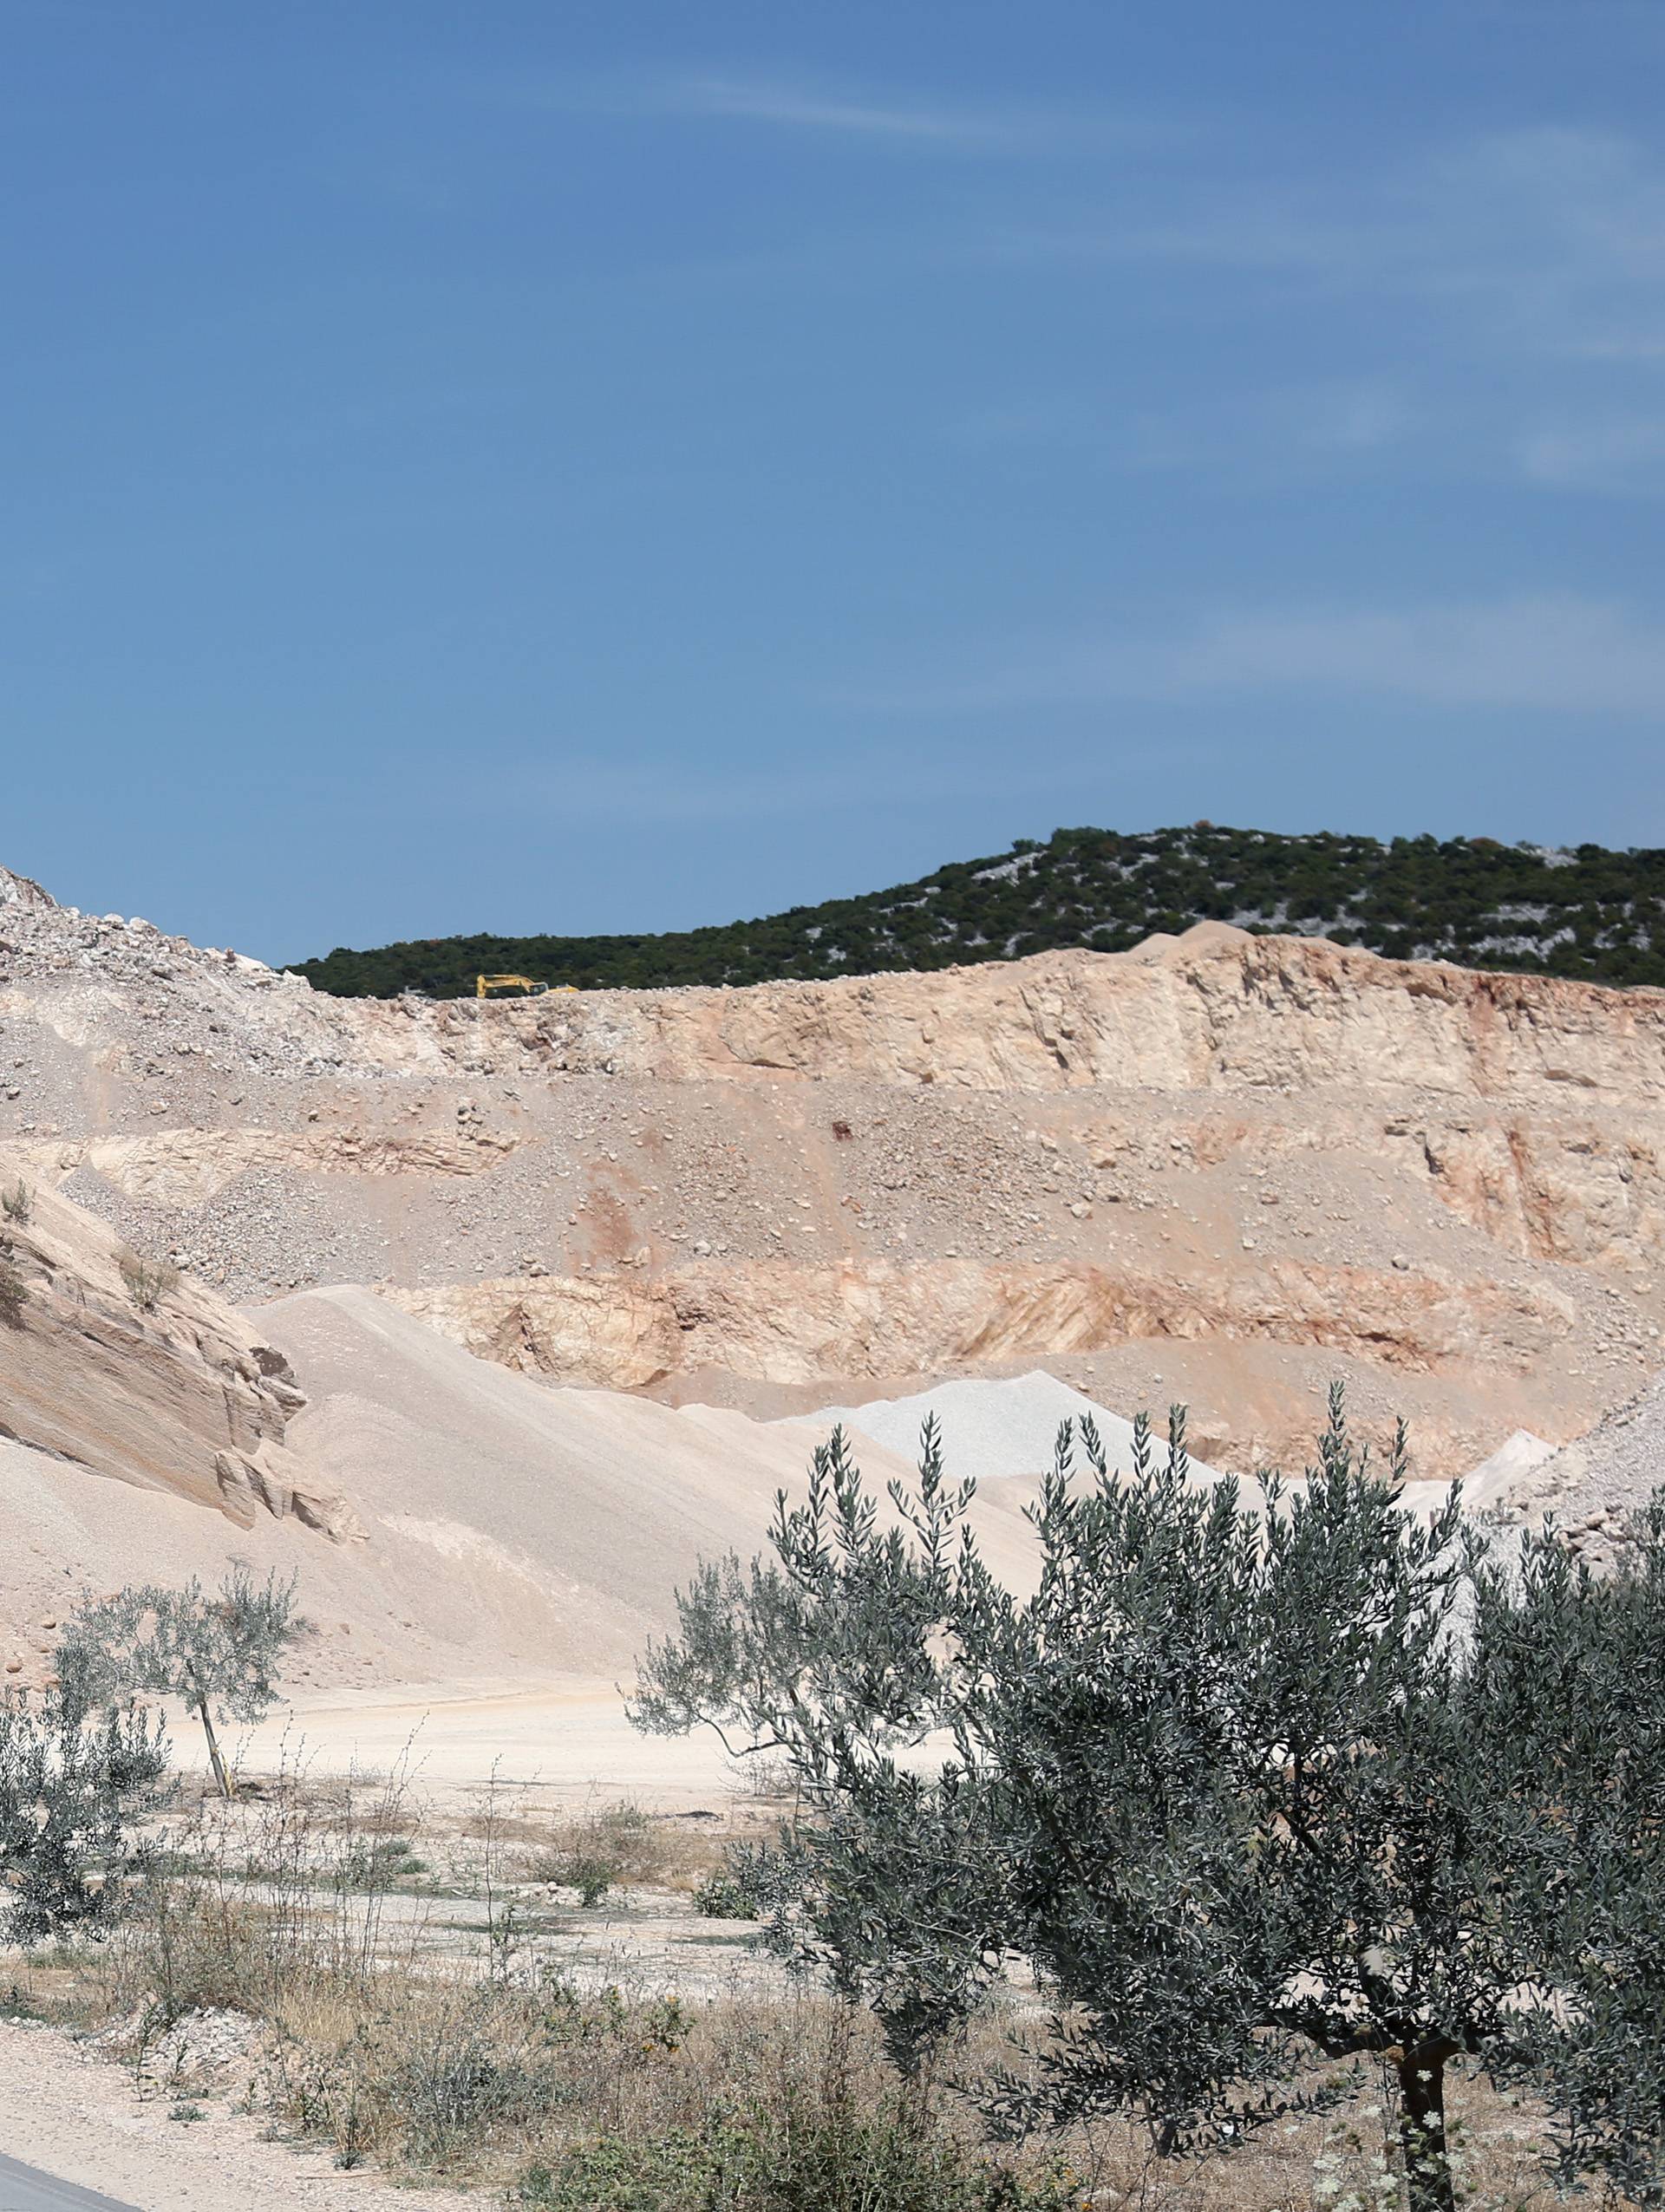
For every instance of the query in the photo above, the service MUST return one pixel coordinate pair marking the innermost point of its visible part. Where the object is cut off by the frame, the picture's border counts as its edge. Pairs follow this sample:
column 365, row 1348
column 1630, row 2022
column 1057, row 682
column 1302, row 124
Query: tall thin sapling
column 218, row 1649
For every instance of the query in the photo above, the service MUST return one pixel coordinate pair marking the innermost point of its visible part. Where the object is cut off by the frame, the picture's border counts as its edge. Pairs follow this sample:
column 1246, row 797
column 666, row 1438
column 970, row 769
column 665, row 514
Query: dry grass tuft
column 147, row 1282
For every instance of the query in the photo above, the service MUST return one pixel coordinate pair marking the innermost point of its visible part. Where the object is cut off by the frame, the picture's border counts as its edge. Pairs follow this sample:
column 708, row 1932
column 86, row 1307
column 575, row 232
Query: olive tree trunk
column 222, row 1772
column 1423, row 2126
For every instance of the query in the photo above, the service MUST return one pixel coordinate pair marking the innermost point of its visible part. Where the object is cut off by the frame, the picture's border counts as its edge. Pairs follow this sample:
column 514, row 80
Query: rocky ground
column 1223, row 1170
column 1592, row 1488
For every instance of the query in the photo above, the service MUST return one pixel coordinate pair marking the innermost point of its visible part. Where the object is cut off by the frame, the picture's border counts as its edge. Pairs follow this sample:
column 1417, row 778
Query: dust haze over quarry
column 486, row 1312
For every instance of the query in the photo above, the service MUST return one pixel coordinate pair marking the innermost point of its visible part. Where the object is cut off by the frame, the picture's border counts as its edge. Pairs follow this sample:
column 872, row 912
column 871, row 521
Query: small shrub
column 376, row 1862
column 147, row 1282
column 75, row 1788
column 720, row 1896
column 620, row 1844
column 18, row 1204
column 14, row 1298
column 620, row 2174
column 350, row 2136
column 467, row 2071
column 753, row 1879
column 590, row 1874
column 626, row 1835
column 815, row 2155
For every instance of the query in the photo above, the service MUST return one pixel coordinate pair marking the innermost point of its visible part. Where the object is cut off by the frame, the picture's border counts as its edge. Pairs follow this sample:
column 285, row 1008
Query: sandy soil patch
column 563, row 1744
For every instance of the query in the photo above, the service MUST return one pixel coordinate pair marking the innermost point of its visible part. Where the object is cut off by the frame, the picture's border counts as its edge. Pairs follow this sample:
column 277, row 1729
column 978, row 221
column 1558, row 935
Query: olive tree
column 75, row 1785
column 1255, row 1784
column 218, row 1649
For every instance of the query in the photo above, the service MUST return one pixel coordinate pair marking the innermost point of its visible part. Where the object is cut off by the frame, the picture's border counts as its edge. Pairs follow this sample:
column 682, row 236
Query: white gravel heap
column 1498, row 1478
column 1589, row 1489
column 1591, row 1486
column 1496, row 1485
column 990, row 1428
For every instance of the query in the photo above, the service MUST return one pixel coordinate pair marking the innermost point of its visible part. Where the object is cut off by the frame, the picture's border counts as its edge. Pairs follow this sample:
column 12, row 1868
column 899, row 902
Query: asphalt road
column 24, row 2189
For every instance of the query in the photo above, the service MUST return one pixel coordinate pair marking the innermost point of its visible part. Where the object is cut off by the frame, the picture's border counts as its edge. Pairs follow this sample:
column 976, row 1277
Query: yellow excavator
column 485, row 985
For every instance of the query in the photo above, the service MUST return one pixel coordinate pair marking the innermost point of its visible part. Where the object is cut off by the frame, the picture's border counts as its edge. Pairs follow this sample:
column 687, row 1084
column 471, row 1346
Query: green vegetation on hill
column 1589, row 913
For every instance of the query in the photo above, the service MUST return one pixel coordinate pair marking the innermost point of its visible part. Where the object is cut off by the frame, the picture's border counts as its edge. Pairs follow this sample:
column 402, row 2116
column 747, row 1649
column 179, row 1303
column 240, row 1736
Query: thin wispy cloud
column 1236, row 434
column 1071, row 131
column 1562, row 653
column 1622, row 460
column 796, row 108
column 1543, row 247
column 1555, row 652
column 1555, row 235
column 789, row 105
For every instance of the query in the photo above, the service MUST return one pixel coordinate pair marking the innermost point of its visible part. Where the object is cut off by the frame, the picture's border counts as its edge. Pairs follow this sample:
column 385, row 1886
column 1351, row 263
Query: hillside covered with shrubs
column 1587, row 913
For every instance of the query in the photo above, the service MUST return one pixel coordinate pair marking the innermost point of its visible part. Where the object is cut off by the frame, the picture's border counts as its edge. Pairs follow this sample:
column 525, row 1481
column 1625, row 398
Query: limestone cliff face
column 1215, row 1009
column 794, row 1324
column 149, row 1378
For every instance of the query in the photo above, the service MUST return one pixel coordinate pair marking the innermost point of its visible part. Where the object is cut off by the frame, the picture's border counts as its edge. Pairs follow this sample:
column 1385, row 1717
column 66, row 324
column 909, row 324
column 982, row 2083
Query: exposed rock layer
column 143, row 1375
column 1222, row 1167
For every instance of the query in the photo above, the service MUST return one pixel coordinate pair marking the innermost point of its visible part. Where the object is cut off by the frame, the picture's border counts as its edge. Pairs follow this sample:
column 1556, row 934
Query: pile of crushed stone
column 996, row 1429
column 990, row 1428
column 1591, row 1486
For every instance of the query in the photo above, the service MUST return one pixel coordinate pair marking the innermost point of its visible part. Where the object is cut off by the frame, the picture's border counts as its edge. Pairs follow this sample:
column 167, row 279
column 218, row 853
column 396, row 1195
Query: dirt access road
column 76, row 2116
column 564, row 1745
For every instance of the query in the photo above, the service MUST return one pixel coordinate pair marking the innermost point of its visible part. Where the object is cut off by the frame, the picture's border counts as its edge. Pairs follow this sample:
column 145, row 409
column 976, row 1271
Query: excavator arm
column 485, row 985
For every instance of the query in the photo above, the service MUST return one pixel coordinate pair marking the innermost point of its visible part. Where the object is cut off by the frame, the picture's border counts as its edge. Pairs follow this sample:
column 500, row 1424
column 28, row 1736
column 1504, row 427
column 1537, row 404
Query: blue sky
column 618, row 466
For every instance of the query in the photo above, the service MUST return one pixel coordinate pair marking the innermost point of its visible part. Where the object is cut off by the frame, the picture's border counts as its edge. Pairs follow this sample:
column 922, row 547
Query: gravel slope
column 507, row 1531
column 1220, row 1168
column 1592, row 1486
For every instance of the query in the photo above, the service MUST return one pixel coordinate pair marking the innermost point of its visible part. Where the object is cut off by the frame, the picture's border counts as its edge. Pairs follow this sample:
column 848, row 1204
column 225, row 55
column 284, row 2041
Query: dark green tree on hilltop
column 1594, row 915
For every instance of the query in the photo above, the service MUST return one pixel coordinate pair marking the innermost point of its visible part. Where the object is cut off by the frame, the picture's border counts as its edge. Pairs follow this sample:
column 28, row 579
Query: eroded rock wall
column 123, row 1368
